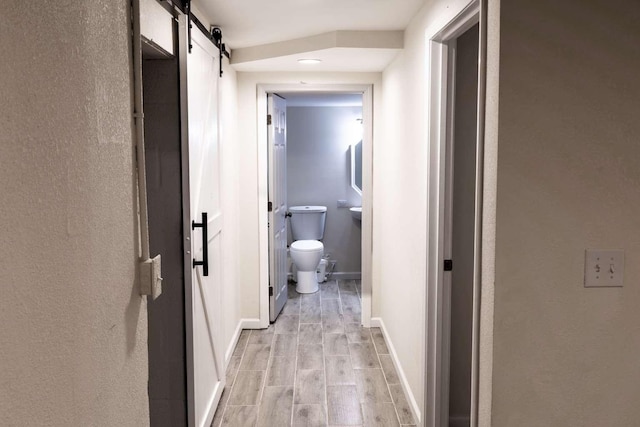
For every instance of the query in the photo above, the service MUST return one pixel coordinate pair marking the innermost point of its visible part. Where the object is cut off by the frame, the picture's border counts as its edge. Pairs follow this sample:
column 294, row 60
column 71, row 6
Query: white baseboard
column 251, row 324
column 376, row 322
column 242, row 324
column 459, row 421
column 232, row 345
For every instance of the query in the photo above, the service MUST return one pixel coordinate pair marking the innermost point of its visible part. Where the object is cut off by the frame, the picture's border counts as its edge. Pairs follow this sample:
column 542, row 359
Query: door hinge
column 268, row 119
column 448, row 265
column 269, row 207
column 270, row 291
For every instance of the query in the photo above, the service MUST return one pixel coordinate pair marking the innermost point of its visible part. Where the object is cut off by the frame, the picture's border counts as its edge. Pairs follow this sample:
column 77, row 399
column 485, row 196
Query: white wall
column 401, row 167
column 252, row 167
column 568, row 179
column 319, row 173
column 230, row 203
column 74, row 328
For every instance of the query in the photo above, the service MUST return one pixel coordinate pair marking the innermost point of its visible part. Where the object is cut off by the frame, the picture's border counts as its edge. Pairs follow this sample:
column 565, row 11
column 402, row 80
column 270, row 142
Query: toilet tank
column 307, row 222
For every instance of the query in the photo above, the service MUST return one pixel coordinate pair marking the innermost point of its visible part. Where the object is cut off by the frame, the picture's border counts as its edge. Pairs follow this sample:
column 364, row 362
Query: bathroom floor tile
column 281, row 371
column 310, row 300
column 332, row 323
column 331, row 306
column 347, row 287
column 310, row 314
column 284, row 345
column 287, row 324
column 292, row 306
column 329, row 290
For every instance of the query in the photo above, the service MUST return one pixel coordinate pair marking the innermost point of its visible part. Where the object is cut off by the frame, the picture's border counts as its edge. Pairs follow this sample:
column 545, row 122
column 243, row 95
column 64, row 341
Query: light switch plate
column 603, row 268
column 151, row 277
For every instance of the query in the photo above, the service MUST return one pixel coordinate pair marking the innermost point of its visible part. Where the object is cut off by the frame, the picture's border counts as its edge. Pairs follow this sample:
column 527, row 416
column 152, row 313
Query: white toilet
column 307, row 229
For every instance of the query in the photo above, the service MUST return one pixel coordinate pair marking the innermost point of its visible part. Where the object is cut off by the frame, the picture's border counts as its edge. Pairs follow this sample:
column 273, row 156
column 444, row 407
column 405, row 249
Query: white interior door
column 199, row 73
column 277, row 123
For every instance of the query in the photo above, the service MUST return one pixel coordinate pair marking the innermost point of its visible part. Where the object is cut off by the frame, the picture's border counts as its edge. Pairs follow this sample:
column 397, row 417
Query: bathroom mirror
column 356, row 166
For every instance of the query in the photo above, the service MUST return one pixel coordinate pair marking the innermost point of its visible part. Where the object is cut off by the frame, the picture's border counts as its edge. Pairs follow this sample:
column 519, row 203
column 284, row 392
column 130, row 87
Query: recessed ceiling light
column 309, row 61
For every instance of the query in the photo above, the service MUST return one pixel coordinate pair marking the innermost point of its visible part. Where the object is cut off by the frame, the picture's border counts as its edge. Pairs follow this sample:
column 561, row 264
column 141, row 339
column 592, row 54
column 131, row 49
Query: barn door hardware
column 187, row 11
column 216, row 37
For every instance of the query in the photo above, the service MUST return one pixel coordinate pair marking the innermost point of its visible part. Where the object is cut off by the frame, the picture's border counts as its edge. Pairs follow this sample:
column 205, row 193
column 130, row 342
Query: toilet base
column 307, row 282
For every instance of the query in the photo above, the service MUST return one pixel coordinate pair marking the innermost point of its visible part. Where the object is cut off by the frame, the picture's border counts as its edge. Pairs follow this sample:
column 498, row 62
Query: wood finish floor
column 315, row 366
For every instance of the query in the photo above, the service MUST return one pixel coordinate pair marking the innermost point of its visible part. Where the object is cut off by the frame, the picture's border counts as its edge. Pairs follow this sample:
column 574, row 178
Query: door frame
column 367, row 186
column 437, row 327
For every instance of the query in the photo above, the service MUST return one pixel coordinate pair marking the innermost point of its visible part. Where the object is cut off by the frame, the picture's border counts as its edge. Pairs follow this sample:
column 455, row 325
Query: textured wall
column 568, row 179
column 74, row 340
column 319, row 173
column 485, row 351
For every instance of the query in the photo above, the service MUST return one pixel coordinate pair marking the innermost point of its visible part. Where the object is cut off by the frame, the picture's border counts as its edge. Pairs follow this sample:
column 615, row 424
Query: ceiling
column 247, row 24
column 334, row 59
column 325, row 99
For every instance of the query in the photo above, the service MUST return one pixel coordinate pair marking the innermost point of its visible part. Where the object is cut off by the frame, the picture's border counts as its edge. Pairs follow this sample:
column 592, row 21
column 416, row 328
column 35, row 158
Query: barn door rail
column 214, row 35
column 205, row 244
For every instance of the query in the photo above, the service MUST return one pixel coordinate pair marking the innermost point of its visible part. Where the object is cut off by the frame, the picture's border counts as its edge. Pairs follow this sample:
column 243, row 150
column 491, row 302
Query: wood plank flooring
column 315, row 366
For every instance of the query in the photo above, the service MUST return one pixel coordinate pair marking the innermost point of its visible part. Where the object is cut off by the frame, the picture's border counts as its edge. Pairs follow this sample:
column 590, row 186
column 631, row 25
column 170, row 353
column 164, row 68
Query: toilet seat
column 307, row 245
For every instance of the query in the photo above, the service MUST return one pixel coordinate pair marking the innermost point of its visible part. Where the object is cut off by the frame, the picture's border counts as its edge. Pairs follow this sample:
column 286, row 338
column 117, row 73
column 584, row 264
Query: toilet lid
column 307, row 245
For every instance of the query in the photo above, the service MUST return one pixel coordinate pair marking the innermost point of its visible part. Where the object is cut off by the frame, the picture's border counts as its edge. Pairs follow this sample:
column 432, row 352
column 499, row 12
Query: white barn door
column 277, row 123
column 202, row 216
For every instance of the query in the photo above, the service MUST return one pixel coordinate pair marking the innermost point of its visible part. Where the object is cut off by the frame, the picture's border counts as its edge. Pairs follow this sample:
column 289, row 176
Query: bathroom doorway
column 315, row 169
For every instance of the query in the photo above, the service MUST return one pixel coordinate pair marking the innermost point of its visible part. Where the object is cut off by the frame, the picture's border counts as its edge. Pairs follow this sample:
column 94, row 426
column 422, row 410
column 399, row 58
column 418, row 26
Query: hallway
column 315, row 366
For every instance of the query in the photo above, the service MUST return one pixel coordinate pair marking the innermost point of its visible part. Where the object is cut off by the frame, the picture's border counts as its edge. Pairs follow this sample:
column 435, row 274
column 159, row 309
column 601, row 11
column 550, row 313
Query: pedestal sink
column 356, row 213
